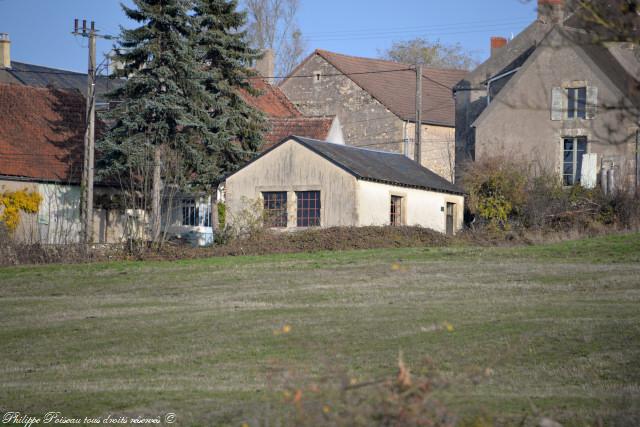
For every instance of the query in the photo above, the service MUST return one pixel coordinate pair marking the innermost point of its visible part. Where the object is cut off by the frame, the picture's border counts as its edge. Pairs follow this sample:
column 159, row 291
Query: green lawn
column 559, row 325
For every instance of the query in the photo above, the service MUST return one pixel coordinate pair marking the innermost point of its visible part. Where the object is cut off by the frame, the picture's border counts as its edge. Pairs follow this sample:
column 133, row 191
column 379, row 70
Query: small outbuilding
column 301, row 183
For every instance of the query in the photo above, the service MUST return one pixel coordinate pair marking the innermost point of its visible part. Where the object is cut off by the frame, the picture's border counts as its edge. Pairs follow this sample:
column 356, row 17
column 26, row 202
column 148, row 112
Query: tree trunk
column 156, row 202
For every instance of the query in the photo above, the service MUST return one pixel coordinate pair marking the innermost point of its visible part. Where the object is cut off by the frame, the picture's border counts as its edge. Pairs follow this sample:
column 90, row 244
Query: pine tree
column 224, row 48
column 161, row 114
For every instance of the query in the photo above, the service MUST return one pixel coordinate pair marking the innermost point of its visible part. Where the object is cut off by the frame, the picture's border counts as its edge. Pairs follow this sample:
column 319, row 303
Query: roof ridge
column 46, row 67
column 404, row 64
column 352, row 147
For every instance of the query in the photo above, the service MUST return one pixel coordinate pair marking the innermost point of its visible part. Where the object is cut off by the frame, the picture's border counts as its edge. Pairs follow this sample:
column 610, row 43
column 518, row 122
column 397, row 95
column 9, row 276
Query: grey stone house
column 556, row 98
column 375, row 103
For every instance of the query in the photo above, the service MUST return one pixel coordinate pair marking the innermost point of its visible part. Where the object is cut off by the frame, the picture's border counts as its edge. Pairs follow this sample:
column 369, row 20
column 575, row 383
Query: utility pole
column 86, row 204
column 86, row 186
column 418, row 149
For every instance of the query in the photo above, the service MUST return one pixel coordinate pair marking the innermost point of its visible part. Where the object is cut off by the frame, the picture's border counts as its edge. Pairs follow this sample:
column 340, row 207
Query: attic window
column 317, row 77
column 577, row 103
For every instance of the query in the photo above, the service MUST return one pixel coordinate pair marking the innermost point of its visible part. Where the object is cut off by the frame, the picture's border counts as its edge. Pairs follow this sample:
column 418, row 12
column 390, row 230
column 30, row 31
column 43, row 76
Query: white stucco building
column 302, row 183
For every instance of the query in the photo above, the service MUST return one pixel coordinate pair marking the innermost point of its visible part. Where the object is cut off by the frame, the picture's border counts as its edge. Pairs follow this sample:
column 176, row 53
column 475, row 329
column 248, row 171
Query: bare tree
column 434, row 54
column 272, row 25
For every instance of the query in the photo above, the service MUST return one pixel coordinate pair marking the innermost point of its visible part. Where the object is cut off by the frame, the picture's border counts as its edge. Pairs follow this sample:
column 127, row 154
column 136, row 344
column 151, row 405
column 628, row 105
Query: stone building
column 557, row 99
column 375, row 103
column 303, row 183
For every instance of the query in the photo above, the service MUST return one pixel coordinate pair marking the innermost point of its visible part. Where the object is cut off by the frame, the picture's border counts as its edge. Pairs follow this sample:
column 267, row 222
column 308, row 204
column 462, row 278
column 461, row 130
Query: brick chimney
column 551, row 11
column 265, row 66
column 5, row 51
column 497, row 43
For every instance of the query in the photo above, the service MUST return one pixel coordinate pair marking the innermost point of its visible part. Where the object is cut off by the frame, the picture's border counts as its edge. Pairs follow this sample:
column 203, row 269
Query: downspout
column 496, row 78
column 405, row 140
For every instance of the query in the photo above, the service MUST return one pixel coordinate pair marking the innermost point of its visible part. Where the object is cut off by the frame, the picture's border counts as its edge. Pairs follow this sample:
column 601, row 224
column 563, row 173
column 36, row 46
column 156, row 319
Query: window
column 308, row 208
column 189, row 212
column 577, row 103
column 574, row 149
column 196, row 214
column 317, row 76
column 275, row 209
column 396, row 210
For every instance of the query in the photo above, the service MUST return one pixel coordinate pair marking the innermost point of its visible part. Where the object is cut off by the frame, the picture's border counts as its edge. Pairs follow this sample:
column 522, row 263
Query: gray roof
column 38, row 76
column 378, row 166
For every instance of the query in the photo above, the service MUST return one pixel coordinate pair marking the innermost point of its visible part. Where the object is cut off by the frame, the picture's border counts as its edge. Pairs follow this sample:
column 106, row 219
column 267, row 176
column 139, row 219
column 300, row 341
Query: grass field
column 559, row 326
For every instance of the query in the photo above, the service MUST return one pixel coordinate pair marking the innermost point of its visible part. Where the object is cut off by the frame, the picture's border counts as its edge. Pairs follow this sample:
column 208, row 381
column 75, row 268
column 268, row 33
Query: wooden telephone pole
column 86, row 204
column 86, row 186
column 418, row 148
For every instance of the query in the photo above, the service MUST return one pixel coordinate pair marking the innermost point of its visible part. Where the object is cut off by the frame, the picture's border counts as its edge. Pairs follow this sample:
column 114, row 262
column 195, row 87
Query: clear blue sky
column 40, row 30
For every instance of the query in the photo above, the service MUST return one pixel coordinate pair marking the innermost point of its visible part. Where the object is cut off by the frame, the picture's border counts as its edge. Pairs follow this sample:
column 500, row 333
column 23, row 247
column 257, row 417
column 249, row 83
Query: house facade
column 41, row 140
column 557, row 99
column 302, row 183
column 375, row 102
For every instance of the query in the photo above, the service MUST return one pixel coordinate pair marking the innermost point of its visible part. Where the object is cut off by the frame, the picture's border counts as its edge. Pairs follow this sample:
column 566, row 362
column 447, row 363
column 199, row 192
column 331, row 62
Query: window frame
column 311, row 215
column 575, row 176
column 190, row 217
column 196, row 213
column 577, row 102
column 276, row 216
column 396, row 210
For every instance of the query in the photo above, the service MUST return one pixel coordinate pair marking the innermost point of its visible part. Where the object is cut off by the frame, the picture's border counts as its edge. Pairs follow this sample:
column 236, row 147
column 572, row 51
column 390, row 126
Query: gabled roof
column 376, row 166
column 271, row 100
column 393, row 85
column 41, row 133
column 599, row 54
column 284, row 118
column 516, row 51
column 38, row 76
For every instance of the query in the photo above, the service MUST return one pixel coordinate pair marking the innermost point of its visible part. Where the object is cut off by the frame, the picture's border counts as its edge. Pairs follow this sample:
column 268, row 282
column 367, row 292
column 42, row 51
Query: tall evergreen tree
column 161, row 114
column 224, row 49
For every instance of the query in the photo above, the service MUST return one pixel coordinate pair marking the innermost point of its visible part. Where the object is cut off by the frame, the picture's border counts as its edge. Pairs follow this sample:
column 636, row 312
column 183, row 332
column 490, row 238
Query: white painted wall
column 292, row 167
column 420, row 207
column 345, row 200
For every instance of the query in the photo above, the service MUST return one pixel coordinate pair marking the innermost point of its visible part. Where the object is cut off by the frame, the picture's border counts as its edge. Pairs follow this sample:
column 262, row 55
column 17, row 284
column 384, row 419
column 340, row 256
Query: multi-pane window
column 574, row 149
column 196, row 214
column 396, row 210
column 275, row 208
column 577, row 103
column 308, row 208
column 189, row 212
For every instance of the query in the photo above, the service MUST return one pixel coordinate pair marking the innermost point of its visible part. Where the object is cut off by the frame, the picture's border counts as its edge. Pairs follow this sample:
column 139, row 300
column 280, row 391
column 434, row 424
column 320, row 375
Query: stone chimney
column 266, row 65
column 551, row 11
column 497, row 43
column 5, row 51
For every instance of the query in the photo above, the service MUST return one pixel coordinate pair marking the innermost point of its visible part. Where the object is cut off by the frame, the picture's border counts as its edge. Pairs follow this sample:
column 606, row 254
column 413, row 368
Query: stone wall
column 365, row 121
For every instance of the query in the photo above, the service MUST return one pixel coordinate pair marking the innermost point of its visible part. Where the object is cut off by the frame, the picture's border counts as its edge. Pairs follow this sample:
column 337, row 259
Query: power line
column 477, row 29
column 421, row 27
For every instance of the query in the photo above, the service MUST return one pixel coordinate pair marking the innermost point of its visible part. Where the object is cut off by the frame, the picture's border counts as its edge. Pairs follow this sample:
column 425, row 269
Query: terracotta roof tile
column 41, row 133
column 309, row 127
column 272, row 101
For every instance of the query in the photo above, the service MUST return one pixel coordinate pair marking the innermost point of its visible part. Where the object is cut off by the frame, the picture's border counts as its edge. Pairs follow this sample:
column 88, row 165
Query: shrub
column 496, row 190
column 504, row 193
column 15, row 202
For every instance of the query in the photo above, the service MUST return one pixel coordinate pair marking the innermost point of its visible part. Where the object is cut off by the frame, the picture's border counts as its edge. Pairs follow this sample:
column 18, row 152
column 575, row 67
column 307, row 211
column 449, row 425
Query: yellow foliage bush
column 14, row 202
